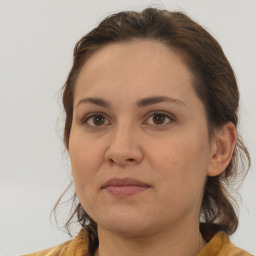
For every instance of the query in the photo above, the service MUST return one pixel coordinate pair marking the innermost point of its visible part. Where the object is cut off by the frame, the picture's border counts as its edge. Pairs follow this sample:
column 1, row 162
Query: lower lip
column 127, row 190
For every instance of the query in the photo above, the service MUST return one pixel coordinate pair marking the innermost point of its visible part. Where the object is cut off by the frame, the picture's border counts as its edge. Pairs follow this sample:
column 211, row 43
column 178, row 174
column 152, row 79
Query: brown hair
column 214, row 83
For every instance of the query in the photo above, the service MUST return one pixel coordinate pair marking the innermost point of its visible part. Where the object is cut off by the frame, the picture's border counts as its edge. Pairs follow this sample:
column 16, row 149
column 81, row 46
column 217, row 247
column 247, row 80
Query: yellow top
column 219, row 245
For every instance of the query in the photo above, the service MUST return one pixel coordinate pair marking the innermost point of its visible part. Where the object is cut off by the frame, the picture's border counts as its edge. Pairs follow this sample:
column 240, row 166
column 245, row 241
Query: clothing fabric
column 219, row 245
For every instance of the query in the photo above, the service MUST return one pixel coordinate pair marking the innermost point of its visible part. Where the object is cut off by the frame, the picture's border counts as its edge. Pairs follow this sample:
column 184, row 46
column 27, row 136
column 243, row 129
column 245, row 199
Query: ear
column 223, row 144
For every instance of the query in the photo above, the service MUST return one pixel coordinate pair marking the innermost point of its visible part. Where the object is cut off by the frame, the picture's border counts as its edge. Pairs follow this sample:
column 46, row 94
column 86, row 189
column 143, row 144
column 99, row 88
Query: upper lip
column 124, row 182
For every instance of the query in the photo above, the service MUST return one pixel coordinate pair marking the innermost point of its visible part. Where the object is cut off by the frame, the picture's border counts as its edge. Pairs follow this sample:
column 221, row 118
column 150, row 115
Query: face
column 139, row 144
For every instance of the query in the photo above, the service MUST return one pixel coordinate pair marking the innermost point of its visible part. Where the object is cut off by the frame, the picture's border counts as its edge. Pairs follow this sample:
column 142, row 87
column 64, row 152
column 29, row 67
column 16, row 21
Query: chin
column 126, row 230
column 126, row 224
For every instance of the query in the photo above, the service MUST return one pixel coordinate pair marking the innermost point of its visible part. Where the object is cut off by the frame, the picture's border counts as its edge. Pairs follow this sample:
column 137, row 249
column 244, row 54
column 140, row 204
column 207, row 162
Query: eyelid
column 167, row 115
column 88, row 116
column 152, row 113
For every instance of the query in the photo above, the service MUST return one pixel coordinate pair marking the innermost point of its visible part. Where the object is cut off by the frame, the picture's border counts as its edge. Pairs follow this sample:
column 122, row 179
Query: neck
column 184, row 242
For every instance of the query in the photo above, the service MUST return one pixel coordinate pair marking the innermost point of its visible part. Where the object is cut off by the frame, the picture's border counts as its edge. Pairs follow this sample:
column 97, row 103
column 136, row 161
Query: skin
column 173, row 156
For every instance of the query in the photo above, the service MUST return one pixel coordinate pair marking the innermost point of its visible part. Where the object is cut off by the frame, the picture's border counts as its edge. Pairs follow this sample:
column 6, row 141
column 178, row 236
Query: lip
column 124, row 187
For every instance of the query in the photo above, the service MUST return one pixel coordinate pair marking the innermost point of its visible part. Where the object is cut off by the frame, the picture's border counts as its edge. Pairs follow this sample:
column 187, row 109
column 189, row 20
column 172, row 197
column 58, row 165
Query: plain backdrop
column 36, row 44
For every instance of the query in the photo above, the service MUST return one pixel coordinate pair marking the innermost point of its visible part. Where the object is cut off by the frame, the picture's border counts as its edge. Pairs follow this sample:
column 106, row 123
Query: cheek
column 182, row 160
column 181, row 172
column 86, row 158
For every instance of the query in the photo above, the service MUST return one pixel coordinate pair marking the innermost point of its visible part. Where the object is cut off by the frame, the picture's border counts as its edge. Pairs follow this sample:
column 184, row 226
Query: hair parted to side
column 214, row 83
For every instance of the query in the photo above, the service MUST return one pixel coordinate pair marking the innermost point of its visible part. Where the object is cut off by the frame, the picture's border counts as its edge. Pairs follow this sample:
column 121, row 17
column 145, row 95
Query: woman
column 151, row 113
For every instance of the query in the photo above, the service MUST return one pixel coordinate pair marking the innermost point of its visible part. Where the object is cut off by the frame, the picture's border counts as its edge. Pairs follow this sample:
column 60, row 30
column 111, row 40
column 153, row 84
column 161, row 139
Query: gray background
column 36, row 44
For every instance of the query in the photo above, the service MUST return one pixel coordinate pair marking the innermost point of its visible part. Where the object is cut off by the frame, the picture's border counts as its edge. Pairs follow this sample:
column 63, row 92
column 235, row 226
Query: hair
column 213, row 80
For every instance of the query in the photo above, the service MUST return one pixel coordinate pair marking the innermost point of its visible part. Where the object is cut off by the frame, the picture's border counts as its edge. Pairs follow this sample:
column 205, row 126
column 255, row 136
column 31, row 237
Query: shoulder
column 53, row 251
column 220, row 245
column 232, row 250
column 75, row 247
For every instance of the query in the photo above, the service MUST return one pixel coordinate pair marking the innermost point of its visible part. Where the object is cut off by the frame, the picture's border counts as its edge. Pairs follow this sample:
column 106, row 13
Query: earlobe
column 222, row 149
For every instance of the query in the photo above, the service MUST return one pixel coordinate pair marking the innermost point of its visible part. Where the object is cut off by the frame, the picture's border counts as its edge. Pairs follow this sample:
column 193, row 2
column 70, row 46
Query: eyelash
column 87, row 118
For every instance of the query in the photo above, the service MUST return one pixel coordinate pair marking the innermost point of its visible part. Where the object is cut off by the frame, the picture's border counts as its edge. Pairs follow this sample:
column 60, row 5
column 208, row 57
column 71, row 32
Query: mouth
column 124, row 187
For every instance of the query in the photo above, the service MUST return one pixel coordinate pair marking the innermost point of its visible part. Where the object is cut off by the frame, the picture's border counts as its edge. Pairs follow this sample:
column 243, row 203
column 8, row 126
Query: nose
column 124, row 148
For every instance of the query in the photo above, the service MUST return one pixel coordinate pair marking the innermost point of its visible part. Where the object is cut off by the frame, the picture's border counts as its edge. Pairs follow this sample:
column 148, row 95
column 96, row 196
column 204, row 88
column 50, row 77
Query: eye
column 160, row 119
column 96, row 120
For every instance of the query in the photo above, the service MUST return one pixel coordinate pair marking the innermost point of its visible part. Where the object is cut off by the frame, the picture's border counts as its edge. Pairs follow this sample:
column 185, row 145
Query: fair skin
column 162, row 143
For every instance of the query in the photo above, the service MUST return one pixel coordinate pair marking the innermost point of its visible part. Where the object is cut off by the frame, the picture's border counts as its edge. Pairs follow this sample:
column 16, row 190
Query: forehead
column 140, row 66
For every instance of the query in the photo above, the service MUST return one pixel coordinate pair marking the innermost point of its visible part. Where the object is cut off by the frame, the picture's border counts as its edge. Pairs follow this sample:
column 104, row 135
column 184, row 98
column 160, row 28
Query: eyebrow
column 140, row 103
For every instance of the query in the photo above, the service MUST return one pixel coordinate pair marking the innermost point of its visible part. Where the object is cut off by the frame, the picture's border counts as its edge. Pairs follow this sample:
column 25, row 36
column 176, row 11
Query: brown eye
column 95, row 120
column 160, row 119
column 98, row 120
